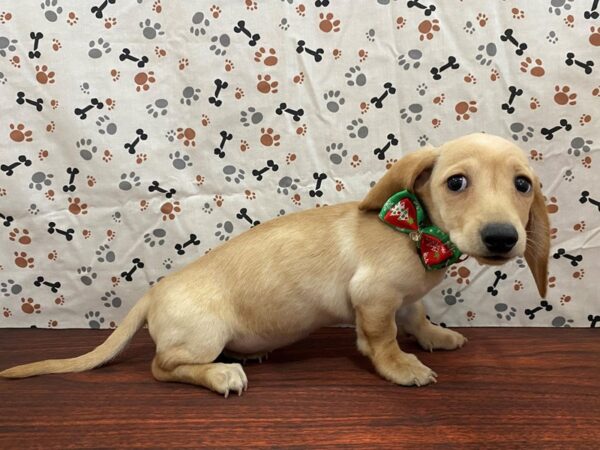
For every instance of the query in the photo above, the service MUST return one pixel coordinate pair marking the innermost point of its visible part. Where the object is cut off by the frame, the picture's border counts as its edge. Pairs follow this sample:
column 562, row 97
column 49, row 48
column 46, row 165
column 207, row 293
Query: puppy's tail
column 100, row 355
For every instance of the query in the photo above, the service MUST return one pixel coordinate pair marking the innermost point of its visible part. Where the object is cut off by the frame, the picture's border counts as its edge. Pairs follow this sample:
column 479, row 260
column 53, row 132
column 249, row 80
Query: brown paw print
column 269, row 60
column 215, row 11
column 494, row 75
column 157, row 7
column 110, row 22
column 16, row 61
column 482, row 19
column 427, row 28
column 436, row 122
column 144, row 80
column 470, row 78
column 364, row 107
column 19, row 133
column 170, row 210
column 585, row 119
column 267, row 137
column 72, row 18
column 204, row 120
column 551, row 281
column 389, row 163
column 160, row 52
column 301, row 130
column 144, row 205
column 517, row 13
column 183, row 63
column 5, row 16
column 251, row 5
column 22, row 261
column 76, row 207
column 355, row 161
column 51, row 127
column 439, row 99
column 565, row 299
column 140, row 158
column 218, row 199
column 534, row 103
column 107, row 156
column 297, row 200
column 6, row 312
column 229, row 66
column 20, row 236
column 187, row 136
column 552, row 205
column 86, row 233
column 337, row 53
column 244, row 146
column 362, row 55
column 43, row 154
column 400, row 22
column 250, row 195
column 328, row 23
column 579, row 274
column 110, row 234
column 49, row 194
column 461, row 273
column 28, row 306
column 533, row 67
column 579, row 226
column 91, row 181
column 595, row 36
column 569, row 21
column 60, row 300
column 239, row 93
column 52, row 323
column 471, row 315
column 587, row 162
column 265, row 85
column 53, row 255
column 290, row 158
column 464, row 109
column 553, row 233
column 518, row 286
column 535, row 155
column 339, row 185
column 43, row 76
column 564, row 96
column 56, row 45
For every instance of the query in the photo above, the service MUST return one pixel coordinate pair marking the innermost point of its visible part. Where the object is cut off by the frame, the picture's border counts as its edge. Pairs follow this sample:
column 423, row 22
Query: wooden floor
column 507, row 388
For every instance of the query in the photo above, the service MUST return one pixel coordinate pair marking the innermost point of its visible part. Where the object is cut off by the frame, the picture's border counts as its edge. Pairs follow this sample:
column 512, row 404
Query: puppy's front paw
column 434, row 337
column 407, row 371
column 223, row 378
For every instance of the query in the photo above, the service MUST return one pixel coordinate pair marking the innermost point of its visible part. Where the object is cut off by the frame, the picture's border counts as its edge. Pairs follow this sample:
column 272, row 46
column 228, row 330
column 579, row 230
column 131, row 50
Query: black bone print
column 21, row 99
column 126, row 55
column 36, row 37
column 586, row 66
column 219, row 86
column 82, row 112
column 98, row 11
column 6, row 220
column 68, row 233
column 137, row 264
column 508, row 35
column 380, row 151
column 530, row 313
column 53, row 285
column 243, row 215
column 9, row 169
column 427, row 9
column 514, row 92
column 387, row 90
column 241, row 28
column 593, row 320
column 295, row 113
column 193, row 240
column 437, row 71
column 499, row 276
column 155, row 186
column 140, row 136
column 316, row 54
column 258, row 173
column 319, row 178
column 549, row 132
column 70, row 186
column 585, row 198
column 575, row 259
column 225, row 136
column 592, row 13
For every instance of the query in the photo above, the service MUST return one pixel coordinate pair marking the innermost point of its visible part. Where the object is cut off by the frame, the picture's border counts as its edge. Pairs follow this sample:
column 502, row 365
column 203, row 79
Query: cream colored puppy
column 283, row 279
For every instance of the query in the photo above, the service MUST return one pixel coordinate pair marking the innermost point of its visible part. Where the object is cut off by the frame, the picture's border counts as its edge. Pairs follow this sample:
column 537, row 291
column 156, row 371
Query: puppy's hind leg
column 412, row 319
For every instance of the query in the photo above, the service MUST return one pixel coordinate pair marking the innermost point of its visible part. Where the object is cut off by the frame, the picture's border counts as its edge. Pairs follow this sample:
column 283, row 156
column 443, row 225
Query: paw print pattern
column 51, row 10
column 98, row 48
column 224, row 230
column 355, row 76
column 357, row 129
column 503, row 311
column 151, row 30
column 128, row 181
column 336, row 152
column 179, row 160
column 333, row 100
column 452, row 298
column 86, row 275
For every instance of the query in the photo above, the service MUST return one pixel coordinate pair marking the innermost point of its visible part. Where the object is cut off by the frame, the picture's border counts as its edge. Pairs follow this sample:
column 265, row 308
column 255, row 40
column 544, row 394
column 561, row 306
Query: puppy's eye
column 457, row 183
column 523, row 185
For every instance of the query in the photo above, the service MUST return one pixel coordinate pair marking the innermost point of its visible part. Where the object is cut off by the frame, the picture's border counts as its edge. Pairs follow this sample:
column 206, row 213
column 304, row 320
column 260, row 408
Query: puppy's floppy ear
column 402, row 175
column 538, row 240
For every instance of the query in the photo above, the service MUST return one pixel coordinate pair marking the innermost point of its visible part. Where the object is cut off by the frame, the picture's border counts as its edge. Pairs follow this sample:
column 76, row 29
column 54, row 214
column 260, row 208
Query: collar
column 403, row 212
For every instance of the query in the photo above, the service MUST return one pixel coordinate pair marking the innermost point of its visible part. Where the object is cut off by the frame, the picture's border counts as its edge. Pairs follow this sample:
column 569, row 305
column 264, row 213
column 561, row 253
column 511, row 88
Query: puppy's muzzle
column 499, row 238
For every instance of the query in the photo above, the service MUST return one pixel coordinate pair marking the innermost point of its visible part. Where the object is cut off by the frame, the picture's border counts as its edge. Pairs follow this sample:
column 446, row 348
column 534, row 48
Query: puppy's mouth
column 493, row 260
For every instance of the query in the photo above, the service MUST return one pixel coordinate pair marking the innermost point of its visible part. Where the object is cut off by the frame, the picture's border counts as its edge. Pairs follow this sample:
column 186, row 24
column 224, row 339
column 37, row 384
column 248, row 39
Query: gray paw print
column 95, row 320
column 189, row 95
column 413, row 112
column 105, row 254
column 224, row 230
column 51, row 12
column 168, row 263
column 150, row 30
column 33, row 209
column 86, row 149
column 219, row 44
column 284, row 24
column 370, row 35
column 7, row 44
column 85, row 87
column 411, row 59
column 87, row 275
column 355, row 77
column 552, row 37
column 251, row 117
column 233, row 174
column 504, row 312
column 207, row 208
column 98, row 48
column 158, row 108
column 287, row 184
column 9, row 287
column 486, row 53
column 333, row 100
column 116, row 217
column 557, row 6
column 561, row 322
column 156, row 237
column 180, row 161
column 3, row 78
column 171, row 135
column 568, row 175
column 357, row 129
column 337, row 152
column 579, row 146
column 519, row 131
column 110, row 299
column 469, row 28
column 128, row 181
column 423, row 139
column 422, row 89
column 105, row 126
column 40, row 179
column 199, row 24
column 451, row 298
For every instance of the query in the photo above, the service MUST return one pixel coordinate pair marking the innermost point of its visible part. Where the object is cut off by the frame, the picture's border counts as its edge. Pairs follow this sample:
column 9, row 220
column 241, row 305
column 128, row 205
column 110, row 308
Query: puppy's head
column 481, row 191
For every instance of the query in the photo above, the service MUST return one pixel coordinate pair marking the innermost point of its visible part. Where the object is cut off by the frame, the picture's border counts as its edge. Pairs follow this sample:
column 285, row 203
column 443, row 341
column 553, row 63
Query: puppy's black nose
column 499, row 237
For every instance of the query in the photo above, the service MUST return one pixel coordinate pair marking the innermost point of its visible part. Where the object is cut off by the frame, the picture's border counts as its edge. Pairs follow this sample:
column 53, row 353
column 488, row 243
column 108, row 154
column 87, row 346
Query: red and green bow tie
column 404, row 212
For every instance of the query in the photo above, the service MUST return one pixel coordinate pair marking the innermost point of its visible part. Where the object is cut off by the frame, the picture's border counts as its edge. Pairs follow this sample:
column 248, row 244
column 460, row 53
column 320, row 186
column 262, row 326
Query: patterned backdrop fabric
column 137, row 135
